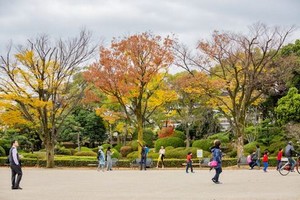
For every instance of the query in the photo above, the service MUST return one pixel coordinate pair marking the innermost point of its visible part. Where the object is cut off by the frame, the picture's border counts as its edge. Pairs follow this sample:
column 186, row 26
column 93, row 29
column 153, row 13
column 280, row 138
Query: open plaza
column 88, row 184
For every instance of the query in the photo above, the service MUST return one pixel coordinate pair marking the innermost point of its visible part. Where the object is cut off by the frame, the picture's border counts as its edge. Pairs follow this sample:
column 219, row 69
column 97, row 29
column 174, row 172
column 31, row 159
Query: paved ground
column 87, row 184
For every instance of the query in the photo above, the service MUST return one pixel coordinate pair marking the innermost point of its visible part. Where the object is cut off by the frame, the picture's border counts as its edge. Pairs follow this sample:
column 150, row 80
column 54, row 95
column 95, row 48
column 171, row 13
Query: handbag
column 213, row 163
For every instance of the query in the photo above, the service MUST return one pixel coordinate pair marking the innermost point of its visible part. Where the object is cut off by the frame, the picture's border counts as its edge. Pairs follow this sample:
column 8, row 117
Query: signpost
column 199, row 155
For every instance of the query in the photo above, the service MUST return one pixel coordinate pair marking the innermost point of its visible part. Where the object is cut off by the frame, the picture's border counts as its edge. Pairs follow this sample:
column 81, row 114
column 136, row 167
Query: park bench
column 203, row 163
column 114, row 163
column 242, row 161
column 137, row 163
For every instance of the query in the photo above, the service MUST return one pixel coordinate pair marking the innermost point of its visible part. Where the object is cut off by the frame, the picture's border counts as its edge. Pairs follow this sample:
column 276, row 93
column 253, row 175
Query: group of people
column 254, row 158
column 104, row 159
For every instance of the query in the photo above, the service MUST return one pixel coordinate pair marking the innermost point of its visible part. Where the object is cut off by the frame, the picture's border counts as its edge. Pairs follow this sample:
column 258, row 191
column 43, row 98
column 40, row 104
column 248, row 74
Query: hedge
column 73, row 161
column 2, row 151
column 179, row 134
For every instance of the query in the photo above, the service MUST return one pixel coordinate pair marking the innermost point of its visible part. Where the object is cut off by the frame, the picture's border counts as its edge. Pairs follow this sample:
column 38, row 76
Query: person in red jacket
column 279, row 156
column 189, row 162
column 265, row 161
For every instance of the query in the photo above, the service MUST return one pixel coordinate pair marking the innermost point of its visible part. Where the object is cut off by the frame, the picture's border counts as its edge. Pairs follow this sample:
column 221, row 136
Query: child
column 265, row 161
column 189, row 162
column 279, row 156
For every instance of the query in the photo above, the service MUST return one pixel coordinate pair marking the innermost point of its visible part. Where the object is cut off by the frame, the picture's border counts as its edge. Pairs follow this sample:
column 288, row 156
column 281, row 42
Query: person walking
column 217, row 156
column 144, row 152
column 289, row 151
column 257, row 155
column 265, row 161
column 279, row 156
column 189, row 162
column 109, row 153
column 101, row 159
column 161, row 157
column 15, row 165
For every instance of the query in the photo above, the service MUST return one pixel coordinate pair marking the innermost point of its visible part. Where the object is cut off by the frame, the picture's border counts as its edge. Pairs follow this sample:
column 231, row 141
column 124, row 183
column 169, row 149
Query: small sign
column 199, row 153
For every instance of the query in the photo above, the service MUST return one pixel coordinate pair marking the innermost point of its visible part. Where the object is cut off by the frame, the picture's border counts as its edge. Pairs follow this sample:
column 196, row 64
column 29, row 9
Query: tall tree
column 38, row 83
column 127, row 68
column 243, row 65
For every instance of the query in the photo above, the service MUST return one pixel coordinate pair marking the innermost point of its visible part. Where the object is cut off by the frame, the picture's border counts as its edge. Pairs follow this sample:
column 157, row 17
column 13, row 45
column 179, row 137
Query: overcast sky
column 189, row 20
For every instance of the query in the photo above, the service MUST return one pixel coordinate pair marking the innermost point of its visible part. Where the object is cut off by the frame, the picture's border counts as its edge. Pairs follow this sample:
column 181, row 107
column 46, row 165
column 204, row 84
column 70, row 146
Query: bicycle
column 285, row 166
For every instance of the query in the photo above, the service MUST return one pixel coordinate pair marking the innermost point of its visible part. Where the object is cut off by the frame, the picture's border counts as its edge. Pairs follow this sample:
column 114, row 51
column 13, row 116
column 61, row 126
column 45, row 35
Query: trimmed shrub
column 134, row 145
column 133, row 155
column 168, row 148
column 105, row 146
column 2, row 151
column 125, row 150
column 179, row 134
column 86, row 153
column 223, row 137
column 251, row 147
column 204, row 144
column 118, row 147
column 169, row 141
column 63, row 151
column 73, row 151
column 116, row 153
column 274, row 147
column 166, row 132
column 84, row 149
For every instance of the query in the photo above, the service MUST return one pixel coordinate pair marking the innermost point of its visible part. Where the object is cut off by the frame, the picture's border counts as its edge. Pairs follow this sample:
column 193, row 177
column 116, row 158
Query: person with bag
column 15, row 165
column 216, row 162
column 161, row 157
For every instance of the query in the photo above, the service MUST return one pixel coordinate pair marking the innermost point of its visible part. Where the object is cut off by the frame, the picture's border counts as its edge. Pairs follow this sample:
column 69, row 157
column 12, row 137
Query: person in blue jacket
column 217, row 156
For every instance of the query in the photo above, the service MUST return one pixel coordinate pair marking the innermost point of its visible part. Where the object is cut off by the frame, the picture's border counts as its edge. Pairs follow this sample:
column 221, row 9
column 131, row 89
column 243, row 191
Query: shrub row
column 79, row 162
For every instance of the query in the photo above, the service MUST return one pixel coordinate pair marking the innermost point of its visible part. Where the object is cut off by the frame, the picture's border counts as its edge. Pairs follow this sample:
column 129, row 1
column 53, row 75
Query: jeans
column 218, row 172
column 266, row 165
column 258, row 163
column 292, row 161
column 189, row 165
column 16, row 170
column 278, row 164
column 143, row 163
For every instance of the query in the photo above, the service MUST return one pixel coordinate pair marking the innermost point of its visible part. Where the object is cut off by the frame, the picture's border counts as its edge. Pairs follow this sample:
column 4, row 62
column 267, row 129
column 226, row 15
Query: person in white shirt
column 161, row 157
column 15, row 165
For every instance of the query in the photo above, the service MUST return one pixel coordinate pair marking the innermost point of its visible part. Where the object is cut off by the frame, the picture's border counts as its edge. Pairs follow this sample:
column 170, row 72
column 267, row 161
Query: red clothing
column 188, row 158
column 279, row 155
column 265, row 158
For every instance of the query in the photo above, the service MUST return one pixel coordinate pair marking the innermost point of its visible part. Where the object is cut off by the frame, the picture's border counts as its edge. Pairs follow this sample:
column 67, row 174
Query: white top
column 162, row 152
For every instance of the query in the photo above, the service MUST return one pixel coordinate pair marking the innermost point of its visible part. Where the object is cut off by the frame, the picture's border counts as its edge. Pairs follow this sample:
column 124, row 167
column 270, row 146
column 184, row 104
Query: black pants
column 15, row 180
column 143, row 163
column 218, row 172
column 189, row 165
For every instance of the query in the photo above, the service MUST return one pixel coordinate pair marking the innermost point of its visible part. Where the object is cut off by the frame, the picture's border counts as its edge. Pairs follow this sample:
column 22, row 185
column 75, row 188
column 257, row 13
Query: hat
column 290, row 142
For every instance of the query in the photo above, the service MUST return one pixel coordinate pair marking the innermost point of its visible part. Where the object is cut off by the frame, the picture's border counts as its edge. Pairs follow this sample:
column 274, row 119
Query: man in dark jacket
column 15, row 165
column 289, row 150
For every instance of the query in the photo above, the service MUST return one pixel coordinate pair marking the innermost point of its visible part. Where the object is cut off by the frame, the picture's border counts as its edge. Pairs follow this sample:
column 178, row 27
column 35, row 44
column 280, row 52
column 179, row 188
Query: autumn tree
column 191, row 101
column 37, row 84
column 132, row 70
column 241, row 65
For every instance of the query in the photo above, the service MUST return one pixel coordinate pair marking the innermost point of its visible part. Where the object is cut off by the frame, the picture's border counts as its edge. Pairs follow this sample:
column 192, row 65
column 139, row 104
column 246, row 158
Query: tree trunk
column 187, row 134
column 240, row 146
column 140, row 133
column 49, row 145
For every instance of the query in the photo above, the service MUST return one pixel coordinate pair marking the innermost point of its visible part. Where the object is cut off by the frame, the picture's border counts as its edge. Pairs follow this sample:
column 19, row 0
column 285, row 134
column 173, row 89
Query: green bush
column 250, row 148
column 133, row 155
column 2, row 151
column 204, row 144
column 232, row 154
column 84, row 149
column 223, row 137
column 169, row 141
column 179, row 134
column 134, row 145
column 181, row 153
column 105, row 146
column 63, row 151
column 274, row 147
column 118, row 147
column 125, row 150
column 168, row 148
column 85, row 153
column 5, row 144
column 116, row 153
column 73, row 151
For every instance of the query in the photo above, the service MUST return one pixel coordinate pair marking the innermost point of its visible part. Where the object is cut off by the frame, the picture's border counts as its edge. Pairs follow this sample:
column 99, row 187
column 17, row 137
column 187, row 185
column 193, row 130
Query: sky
column 189, row 20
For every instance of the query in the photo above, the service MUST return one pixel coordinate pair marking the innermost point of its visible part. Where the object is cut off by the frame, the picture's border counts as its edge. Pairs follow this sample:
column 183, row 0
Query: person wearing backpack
column 15, row 165
column 217, row 156
column 289, row 150
column 101, row 159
